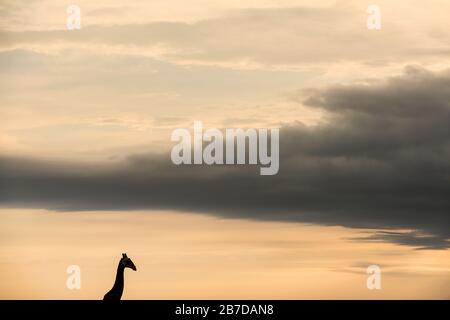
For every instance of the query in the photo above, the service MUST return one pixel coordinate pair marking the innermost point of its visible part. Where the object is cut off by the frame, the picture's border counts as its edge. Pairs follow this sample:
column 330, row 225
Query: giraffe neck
column 118, row 284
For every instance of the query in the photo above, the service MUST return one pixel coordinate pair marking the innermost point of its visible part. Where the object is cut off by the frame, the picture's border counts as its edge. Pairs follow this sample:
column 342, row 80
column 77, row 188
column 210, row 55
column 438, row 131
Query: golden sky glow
column 190, row 256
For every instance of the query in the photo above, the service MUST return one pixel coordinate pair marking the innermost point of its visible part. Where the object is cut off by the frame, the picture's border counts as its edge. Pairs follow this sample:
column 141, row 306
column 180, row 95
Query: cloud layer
column 270, row 38
column 381, row 161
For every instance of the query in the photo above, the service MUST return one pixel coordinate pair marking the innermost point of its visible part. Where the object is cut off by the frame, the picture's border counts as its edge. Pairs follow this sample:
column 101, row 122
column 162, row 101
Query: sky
column 85, row 173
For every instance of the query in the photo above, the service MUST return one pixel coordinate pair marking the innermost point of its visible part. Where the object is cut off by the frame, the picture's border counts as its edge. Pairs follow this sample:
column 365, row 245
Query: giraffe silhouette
column 116, row 292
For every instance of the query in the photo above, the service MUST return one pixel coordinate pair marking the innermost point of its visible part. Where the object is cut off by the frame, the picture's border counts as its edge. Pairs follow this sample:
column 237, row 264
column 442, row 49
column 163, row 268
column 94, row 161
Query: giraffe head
column 126, row 262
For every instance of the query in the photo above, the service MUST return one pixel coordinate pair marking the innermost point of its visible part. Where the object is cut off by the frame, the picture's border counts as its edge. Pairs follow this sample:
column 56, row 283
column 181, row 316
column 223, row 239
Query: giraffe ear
column 124, row 255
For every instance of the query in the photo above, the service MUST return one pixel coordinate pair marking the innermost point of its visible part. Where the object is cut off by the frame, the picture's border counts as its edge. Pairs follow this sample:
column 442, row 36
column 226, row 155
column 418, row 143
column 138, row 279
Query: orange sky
column 191, row 256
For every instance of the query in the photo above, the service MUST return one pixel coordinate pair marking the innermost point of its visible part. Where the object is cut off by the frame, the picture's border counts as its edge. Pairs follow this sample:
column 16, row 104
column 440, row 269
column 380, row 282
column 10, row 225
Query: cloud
column 420, row 241
column 381, row 161
column 253, row 38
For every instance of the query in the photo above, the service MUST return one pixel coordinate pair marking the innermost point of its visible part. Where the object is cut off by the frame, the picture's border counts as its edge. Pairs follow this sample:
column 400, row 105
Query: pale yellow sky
column 191, row 256
column 139, row 69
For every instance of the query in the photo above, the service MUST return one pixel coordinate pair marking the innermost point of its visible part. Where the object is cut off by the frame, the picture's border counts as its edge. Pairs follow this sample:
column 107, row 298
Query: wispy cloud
column 257, row 38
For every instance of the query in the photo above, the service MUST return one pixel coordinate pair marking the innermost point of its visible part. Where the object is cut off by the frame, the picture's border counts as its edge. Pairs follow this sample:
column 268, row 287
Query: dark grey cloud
column 413, row 238
column 382, row 161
